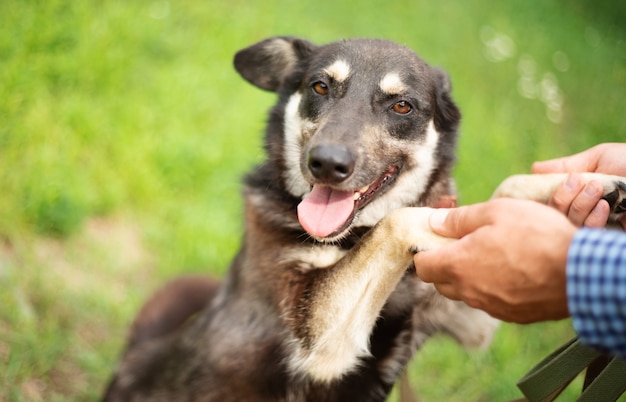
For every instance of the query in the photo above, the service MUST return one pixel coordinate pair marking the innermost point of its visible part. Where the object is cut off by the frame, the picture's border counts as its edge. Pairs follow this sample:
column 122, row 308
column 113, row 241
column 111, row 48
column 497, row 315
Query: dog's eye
column 320, row 88
column 402, row 107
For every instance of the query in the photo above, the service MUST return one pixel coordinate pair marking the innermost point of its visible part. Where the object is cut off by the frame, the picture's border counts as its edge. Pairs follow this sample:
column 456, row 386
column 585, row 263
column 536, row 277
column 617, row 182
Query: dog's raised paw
column 410, row 227
column 617, row 198
column 540, row 187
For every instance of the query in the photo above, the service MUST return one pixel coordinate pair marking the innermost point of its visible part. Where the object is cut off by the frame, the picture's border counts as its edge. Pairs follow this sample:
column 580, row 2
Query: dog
column 322, row 302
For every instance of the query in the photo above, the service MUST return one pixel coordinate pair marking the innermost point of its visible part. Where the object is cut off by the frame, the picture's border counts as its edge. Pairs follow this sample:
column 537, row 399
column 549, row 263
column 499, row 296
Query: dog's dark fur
column 331, row 313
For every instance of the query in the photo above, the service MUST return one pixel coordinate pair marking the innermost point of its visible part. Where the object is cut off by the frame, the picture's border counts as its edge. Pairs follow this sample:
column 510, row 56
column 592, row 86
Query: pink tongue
column 324, row 210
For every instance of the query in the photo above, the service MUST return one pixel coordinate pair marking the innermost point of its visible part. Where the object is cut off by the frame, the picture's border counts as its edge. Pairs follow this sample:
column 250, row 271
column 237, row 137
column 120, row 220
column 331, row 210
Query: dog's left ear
column 269, row 63
column 447, row 114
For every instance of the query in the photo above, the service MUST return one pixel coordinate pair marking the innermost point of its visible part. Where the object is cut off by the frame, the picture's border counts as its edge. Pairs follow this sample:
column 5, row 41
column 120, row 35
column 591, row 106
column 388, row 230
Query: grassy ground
column 124, row 132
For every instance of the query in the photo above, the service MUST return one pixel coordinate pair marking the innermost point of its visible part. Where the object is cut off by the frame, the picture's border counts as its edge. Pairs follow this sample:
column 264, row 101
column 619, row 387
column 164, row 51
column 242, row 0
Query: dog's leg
column 171, row 306
column 161, row 316
column 539, row 187
column 338, row 309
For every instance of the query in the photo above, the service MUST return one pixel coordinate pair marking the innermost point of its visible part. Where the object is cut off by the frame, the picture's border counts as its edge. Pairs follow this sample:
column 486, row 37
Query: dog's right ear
column 447, row 114
column 267, row 64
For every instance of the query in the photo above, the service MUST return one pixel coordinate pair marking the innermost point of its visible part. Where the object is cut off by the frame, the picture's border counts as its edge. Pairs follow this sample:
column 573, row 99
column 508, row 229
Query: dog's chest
column 308, row 258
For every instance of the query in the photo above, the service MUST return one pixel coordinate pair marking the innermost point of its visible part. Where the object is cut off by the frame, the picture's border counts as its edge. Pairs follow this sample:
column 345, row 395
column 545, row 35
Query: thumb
column 581, row 162
column 457, row 222
column 549, row 166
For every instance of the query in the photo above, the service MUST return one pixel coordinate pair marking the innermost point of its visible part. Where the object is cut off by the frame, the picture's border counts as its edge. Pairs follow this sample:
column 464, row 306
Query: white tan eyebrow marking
column 339, row 70
column 391, row 84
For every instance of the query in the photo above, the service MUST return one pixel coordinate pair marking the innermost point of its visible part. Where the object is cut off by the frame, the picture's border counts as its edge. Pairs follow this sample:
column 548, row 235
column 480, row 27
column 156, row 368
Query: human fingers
column 525, row 314
column 560, row 165
column 580, row 201
column 435, row 266
column 603, row 158
column 585, row 161
column 599, row 215
column 458, row 222
column 609, row 158
column 566, row 193
column 521, row 312
column 440, row 265
column 584, row 204
column 448, row 290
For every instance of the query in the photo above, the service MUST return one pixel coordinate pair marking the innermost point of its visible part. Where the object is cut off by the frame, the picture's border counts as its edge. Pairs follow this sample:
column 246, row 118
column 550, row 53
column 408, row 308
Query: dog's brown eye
column 320, row 88
column 402, row 107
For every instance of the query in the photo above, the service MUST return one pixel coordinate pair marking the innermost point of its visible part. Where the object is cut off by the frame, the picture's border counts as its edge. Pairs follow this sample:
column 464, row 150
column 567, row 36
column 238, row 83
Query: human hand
column 582, row 203
column 509, row 260
column 609, row 158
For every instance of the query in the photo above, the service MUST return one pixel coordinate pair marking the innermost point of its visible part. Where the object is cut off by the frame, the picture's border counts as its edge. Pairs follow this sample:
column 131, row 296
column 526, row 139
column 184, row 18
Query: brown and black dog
column 322, row 302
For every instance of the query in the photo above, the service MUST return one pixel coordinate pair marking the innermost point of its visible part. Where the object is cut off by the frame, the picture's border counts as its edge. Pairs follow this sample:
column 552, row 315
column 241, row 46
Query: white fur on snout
column 339, row 70
column 392, row 84
column 412, row 181
column 294, row 128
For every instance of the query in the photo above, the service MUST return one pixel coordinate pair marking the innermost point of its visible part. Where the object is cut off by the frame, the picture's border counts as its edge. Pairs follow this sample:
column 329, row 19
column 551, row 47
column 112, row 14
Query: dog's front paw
column 540, row 187
column 617, row 197
column 411, row 228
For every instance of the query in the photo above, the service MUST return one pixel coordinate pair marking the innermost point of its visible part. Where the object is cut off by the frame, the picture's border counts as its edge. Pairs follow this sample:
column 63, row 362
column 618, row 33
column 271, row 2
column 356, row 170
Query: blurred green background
column 124, row 133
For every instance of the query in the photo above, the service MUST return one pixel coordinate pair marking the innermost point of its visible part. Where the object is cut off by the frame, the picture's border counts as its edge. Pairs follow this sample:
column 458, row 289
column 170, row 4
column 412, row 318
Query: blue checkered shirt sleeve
column 596, row 288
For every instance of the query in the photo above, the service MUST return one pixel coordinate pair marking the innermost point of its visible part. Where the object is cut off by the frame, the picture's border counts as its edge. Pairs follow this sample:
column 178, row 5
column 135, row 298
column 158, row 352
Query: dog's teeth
column 359, row 194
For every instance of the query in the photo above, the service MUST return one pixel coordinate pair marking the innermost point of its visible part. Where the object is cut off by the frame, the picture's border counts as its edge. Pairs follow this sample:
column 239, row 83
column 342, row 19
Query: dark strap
column 545, row 381
column 595, row 368
column 608, row 385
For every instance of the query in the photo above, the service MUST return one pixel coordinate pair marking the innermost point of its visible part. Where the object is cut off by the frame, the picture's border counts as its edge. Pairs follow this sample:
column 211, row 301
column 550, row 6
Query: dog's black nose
column 331, row 163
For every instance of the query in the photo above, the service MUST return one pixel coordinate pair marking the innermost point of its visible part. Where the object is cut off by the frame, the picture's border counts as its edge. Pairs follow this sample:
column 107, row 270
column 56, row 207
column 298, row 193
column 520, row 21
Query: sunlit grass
column 125, row 132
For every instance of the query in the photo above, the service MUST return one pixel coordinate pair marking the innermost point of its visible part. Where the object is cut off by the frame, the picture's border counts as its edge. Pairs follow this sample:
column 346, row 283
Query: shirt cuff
column 596, row 288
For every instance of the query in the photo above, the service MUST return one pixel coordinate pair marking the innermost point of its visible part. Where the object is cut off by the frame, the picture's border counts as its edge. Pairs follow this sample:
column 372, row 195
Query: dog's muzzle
column 331, row 163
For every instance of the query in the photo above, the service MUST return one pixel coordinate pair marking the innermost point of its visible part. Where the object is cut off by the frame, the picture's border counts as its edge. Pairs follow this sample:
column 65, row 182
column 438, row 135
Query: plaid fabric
column 596, row 288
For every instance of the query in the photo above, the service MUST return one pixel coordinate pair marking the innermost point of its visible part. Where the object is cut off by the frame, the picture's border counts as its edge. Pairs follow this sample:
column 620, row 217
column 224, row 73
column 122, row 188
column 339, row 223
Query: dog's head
column 362, row 127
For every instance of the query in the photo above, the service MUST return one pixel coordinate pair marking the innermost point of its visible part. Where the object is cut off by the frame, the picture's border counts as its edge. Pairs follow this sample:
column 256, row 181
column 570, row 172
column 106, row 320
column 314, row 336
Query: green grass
column 124, row 132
